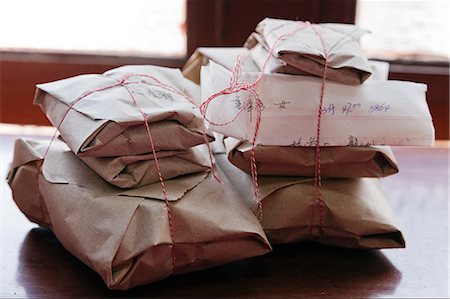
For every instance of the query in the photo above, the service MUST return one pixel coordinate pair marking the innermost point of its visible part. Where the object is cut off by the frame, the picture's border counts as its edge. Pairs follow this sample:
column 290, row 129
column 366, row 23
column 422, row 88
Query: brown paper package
column 124, row 235
column 226, row 57
column 302, row 53
column 355, row 214
column 107, row 123
column 336, row 161
column 140, row 170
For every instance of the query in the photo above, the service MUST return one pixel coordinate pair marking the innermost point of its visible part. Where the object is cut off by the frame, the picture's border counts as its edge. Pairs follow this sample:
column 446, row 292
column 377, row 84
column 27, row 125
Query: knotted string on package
column 124, row 83
column 236, row 86
column 317, row 196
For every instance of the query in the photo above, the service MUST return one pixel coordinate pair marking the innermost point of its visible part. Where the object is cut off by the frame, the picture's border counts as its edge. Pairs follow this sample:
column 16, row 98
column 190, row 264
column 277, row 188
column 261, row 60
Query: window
column 107, row 27
column 405, row 30
column 413, row 37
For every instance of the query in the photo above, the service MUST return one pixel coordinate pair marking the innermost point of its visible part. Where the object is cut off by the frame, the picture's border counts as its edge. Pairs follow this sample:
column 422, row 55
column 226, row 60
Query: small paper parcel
column 335, row 161
column 105, row 121
column 354, row 214
column 301, row 51
column 373, row 113
column 124, row 235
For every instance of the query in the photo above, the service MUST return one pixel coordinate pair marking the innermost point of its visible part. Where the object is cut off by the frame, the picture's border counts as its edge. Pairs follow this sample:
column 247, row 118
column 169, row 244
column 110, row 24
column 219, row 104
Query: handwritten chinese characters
column 246, row 105
column 282, row 104
column 329, row 109
column 312, row 141
column 307, row 142
column 152, row 92
column 353, row 141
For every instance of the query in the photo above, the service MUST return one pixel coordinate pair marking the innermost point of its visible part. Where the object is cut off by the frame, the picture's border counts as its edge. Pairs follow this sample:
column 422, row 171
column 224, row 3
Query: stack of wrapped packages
column 130, row 185
column 99, row 189
column 325, row 190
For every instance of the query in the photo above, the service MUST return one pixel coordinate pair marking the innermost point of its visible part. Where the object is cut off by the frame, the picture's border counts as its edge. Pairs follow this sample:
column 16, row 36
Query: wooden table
column 34, row 264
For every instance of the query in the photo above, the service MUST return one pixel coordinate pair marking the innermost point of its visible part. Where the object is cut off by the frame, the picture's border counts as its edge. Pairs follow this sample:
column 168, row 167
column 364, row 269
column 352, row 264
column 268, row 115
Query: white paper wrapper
column 108, row 123
column 373, row 113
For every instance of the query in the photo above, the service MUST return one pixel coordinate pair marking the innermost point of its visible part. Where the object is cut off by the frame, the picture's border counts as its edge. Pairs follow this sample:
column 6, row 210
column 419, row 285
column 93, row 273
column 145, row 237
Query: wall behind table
column 20, row 73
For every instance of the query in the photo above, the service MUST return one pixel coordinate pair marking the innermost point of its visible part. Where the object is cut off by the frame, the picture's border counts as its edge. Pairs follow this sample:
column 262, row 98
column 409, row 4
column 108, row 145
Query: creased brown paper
column 107, row 122
column 335, row 161
column 303, row 53
column 124, row 235
column 355, row 214
column 225, row 56
column 139, row 170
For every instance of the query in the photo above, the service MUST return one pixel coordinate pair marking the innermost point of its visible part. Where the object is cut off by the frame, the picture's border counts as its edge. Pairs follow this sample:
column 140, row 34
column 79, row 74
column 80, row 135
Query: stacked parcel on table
column 130, row 189
column 342, row 202
column 100, row 190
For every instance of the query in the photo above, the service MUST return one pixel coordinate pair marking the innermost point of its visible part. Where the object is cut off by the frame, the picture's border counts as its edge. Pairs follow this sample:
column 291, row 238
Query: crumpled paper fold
column 124, row 235
column 139, row 170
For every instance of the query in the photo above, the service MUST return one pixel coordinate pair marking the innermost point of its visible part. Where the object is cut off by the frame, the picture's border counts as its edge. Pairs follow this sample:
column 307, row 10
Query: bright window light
column 132, row 27
column 405, row 29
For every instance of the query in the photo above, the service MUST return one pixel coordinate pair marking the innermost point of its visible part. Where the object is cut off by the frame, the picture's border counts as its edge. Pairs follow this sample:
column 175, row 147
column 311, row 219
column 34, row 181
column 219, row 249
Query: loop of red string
column 124, row 82
column 236, row 86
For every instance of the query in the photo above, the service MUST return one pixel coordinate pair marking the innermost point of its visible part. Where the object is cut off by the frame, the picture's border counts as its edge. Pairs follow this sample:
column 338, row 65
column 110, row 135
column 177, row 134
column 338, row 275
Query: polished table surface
column 35, row 265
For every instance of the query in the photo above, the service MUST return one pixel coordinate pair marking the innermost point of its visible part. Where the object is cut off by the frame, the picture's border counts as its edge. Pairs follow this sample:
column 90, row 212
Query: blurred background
column 46, row 40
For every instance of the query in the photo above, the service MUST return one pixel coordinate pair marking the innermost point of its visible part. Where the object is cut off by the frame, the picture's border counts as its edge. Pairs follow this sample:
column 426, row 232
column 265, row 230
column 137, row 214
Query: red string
column 236, row 86
column 174, row 90
column 158, row 168
column 317, row 194
column 123, row 83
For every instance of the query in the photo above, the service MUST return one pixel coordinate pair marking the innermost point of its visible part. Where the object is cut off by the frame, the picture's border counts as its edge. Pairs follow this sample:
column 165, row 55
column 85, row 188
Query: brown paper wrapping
column 303, row 53
column 336, row 161
column 124, row 234
column 356, row 213
column 225, row 56
column 108, row 123
column 27, row 159
column 140, row 170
